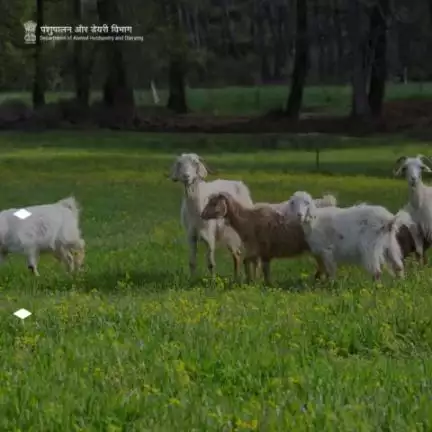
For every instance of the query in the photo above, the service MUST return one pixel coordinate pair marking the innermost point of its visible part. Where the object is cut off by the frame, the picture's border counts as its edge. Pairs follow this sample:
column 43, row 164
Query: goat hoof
column 33, row 270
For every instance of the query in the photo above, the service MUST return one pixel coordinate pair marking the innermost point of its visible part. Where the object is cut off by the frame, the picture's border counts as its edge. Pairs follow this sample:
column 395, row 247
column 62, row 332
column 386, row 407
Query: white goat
column 191, row 170
column 362, row 234
column 50, row 228
column 420, row 197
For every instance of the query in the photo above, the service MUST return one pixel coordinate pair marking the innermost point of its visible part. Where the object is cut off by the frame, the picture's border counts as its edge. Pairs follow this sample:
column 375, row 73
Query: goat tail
column 71, row 204
column 386, row 248
column 388, row 251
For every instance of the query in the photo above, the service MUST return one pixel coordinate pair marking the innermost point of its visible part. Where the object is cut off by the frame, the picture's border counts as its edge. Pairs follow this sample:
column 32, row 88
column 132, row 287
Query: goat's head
column 188, row 167
column 216, row 207
column 299, row 205
column 411, row 168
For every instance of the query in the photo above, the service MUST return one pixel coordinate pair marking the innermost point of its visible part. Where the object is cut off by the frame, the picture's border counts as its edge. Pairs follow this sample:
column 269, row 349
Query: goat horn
column 425, row 159
column 398, row 163
column 400, row 160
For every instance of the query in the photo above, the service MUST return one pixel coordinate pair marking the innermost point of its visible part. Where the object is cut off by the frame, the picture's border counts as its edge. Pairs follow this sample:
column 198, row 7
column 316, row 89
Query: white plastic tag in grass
column 22, row 313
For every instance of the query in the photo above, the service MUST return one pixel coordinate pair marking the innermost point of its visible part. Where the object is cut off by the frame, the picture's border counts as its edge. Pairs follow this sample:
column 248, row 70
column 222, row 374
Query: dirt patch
column 408, row 114
column 397, row 116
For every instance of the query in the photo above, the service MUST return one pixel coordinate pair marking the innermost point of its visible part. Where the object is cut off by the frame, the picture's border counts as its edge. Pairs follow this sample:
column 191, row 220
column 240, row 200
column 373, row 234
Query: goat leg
column 266, row 271
column 329, row 264
column 193, row 249
column 236, row 256
column 320, row 271
column 247, row 263
column 32, row 262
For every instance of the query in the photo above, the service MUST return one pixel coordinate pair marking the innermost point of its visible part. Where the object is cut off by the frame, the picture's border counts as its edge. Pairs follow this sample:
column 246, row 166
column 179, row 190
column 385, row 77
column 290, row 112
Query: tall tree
column 301, row 61
column 177, row 63
column 177, row 85
column 378, row 48
column 260, row 42
column 82, row 84
column 338, row 40
column 116, row 91
column 358, row 28
column 39, row 80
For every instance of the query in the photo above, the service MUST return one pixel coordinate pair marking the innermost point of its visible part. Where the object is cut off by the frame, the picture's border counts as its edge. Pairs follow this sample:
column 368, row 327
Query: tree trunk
column 358, row 28
column 430, row 20
column 177, row 91
column 39, row 76
column 261, row 46
column 430, row 11
column 116, row 90
column 280, row 45
column 378, row 46
column 230, row 32
column 403, row 50
column 82, row 82
column 339, row 41
column 177, row 67
column 301, row 61
column 319, row 41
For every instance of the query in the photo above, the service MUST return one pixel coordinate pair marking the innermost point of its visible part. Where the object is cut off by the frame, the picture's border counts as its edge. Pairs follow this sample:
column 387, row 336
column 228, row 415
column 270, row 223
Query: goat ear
column 173, row 175
column 201, row 169
column 204, row 163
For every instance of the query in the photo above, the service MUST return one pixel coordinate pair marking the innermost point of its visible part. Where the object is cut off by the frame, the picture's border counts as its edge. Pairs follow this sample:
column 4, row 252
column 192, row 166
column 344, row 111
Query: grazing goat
column 50, row 228
column 191, row 170
column 420, row 199
column 265, row 233
column 362, row 234
column 284, row 206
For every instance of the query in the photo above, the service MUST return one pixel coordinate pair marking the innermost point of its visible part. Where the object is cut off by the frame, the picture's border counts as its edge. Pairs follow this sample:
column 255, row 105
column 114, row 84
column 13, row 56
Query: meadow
column 131, row 344
column 257, row 100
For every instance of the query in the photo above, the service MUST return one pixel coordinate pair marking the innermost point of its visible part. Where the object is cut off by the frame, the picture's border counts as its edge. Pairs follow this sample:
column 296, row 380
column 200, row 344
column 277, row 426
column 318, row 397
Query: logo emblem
column 30, row 32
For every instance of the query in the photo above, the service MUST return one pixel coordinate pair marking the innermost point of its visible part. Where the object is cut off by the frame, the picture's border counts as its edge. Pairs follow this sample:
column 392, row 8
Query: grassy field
column 260, row 100
column 132, row 345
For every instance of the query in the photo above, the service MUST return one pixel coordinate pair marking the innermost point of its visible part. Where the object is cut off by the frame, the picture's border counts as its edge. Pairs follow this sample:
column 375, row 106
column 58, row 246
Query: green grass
column 133, row 345
column 260, row 100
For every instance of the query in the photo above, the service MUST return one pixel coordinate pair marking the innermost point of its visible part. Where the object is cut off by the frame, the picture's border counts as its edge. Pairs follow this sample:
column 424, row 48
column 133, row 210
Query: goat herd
column 366, row 235
column 222, row 211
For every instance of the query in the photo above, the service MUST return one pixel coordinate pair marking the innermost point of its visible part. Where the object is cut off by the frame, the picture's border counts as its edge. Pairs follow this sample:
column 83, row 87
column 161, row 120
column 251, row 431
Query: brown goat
column 265, row 233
